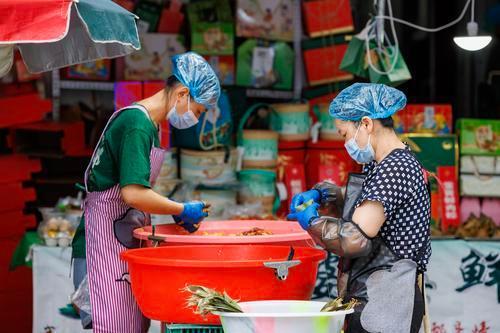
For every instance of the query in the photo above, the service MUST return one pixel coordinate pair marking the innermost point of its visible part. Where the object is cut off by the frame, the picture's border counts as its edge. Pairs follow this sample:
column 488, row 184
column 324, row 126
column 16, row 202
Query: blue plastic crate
column 181, row 328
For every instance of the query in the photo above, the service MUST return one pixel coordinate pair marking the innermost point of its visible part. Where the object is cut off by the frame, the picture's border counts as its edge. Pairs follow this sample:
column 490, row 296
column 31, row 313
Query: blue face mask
column 186, row 120
column 360, row 155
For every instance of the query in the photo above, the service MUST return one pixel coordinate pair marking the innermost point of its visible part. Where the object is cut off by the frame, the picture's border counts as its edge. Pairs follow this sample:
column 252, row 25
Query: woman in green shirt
column 118, row 181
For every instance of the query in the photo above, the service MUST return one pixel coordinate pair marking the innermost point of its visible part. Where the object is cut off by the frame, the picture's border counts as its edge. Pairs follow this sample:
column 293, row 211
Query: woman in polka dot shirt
column 383, row 232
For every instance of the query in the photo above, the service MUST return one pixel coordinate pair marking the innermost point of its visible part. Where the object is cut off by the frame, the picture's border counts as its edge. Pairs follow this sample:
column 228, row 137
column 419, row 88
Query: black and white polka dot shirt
column 398, row 183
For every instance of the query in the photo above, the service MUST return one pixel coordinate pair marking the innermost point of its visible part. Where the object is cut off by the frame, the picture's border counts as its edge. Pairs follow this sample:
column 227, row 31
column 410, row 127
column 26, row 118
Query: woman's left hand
column 304, row 197
column 191, row 216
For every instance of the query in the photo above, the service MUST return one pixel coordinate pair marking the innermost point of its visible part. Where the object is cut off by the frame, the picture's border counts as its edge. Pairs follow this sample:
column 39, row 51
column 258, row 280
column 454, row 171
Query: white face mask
column 360, row 155
column 187, row 120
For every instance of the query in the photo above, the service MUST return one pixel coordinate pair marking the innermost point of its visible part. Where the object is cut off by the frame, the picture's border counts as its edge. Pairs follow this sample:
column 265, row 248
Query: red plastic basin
column 159, row 274
column 284, row 233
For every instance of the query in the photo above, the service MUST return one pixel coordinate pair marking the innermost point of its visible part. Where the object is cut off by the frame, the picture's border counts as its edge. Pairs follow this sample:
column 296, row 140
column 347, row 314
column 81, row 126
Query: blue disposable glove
column 301, row 198
column 191, row 216
column 306, row 216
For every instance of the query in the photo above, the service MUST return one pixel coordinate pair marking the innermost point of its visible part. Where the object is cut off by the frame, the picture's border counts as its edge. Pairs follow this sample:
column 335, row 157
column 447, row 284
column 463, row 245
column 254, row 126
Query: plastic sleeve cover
column 331, row 196
column 344, row 238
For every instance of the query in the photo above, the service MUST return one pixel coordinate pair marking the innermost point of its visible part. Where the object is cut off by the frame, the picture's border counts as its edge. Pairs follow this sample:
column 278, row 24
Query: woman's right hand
column 191, row 216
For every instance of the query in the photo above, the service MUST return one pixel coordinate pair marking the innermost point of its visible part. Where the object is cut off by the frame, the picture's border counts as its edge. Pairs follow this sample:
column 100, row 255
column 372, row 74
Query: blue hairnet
column 196, row 74
column 367, row 100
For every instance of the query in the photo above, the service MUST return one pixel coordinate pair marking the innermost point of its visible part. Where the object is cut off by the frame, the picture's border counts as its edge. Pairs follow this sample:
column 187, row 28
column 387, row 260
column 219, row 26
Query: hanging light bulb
column 472, row 42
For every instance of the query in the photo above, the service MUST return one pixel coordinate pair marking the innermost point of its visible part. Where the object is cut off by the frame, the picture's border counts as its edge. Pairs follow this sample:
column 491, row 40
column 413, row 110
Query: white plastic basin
column 283, row 317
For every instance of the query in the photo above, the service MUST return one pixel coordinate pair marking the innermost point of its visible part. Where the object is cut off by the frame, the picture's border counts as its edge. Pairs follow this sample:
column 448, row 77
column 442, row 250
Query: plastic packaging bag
column 81, row 297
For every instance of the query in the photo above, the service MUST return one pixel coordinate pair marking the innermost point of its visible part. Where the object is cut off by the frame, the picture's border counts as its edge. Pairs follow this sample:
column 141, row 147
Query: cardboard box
column 272, row 20
column 294, row 180
column 153, row 62
column 224, row 67
column 99, row 70
column 428, row 118
column 480, row 176
column 480, row 165
column 328, row 160
column 327, row 17
column 323, row 94
column 472, row 185
column 433, row 151
column 212, row 38
column 212, row 27
column 400, row 119
column 479, row 136
column 322, row 60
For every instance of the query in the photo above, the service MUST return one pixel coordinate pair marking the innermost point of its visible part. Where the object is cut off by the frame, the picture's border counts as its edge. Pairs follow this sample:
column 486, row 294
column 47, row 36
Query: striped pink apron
column 113, row 306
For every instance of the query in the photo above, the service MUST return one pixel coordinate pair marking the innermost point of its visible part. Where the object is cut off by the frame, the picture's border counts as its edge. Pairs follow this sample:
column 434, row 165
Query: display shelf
column 87, row 85
column 267, row 93
column 58, row 85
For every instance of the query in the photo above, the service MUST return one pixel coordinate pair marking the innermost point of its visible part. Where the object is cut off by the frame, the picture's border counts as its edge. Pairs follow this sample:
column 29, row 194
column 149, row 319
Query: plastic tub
column 159, row 274
column 283, row 317
column 284, row 233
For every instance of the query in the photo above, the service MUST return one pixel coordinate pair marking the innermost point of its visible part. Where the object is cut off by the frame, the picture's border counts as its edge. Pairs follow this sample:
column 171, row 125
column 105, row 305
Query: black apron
column 374, row 275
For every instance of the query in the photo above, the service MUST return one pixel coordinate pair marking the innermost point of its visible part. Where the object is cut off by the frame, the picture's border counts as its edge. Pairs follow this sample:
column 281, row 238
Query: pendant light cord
column 418, row 27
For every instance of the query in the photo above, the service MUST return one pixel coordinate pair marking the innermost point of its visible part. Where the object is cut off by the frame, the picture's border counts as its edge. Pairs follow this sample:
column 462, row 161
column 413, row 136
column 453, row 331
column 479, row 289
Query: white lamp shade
column 472, row 43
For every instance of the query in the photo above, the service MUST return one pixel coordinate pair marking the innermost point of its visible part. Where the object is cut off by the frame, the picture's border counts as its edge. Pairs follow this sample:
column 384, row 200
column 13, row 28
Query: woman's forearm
column 344, row 238
column 148, row 201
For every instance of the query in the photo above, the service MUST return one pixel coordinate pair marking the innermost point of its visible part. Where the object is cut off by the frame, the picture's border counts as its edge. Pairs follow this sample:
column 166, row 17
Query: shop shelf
column 87, row 85
column 267, row 93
